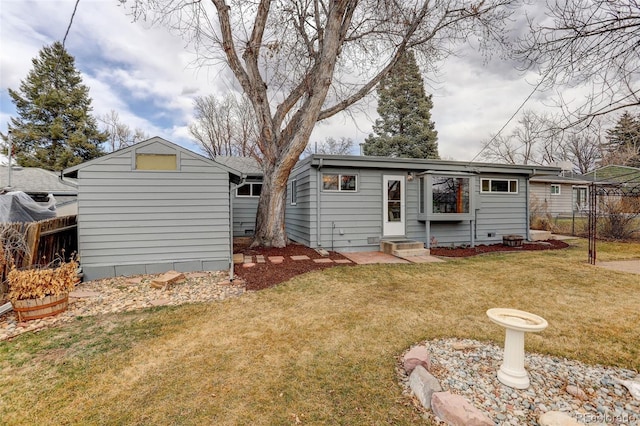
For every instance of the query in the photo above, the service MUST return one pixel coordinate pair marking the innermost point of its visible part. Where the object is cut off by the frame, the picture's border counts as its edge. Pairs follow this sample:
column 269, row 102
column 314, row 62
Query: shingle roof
column 246, row 165
column 33, row 179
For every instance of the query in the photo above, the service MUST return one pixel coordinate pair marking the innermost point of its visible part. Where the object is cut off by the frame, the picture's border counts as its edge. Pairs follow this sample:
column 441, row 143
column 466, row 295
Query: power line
column 75, row 8
column 535, row 89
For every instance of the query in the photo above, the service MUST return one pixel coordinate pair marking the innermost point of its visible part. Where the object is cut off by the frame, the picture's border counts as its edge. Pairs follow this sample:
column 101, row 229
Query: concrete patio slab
column 632, row 266
column 372, row 257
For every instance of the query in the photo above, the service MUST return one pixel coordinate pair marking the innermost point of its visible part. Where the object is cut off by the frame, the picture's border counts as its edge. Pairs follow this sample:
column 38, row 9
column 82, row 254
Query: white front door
column 393, row 206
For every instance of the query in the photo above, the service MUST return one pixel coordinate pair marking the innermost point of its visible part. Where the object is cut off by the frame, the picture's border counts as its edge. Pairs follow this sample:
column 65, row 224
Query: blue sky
column 147, row 76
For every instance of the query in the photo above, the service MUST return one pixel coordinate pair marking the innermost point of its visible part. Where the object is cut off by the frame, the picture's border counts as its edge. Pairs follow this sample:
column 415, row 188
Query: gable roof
column 36, row 180
column 247, row 165
column 72, row 171
column 424, row 165
column 615, row 174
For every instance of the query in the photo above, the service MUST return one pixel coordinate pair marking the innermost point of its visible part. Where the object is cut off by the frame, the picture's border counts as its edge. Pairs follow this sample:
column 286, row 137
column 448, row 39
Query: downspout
column 318, row 224
column 526, row 190
column 243, row 182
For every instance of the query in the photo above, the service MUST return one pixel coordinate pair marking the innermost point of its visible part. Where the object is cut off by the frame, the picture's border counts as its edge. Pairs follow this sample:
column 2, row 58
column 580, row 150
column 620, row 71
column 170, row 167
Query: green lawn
column 319, row 349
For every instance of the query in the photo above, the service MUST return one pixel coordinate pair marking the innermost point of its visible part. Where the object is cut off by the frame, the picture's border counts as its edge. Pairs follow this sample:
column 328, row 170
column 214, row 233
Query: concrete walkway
column 631, row 266
column 376, row 257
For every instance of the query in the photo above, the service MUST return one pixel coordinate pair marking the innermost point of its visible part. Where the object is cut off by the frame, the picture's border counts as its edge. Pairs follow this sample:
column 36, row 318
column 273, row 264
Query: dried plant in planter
column 38, row 293
column 35, row 283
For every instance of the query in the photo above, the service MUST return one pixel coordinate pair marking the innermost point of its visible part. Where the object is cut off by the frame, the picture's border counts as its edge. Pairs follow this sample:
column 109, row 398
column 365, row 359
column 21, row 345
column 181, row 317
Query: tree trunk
column 270, row 231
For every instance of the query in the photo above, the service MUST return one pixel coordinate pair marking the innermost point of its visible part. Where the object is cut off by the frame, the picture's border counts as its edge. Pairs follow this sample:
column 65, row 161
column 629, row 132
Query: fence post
column 33, row 239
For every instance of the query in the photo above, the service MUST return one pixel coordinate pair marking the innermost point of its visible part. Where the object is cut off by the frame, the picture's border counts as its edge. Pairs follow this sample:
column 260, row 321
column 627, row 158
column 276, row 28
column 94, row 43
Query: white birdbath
column 512, row 372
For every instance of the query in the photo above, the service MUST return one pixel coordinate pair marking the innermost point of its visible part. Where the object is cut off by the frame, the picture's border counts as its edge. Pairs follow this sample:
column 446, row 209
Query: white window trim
column 556, row 186
column 250, row 184
column 500, row 192
column 293, row 199
column 348, row 191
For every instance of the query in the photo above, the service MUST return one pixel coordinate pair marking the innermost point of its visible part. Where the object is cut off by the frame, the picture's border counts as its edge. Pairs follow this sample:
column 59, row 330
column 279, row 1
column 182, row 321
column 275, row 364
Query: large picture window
column 507, row 186
column 450, row 194
column 339, row 182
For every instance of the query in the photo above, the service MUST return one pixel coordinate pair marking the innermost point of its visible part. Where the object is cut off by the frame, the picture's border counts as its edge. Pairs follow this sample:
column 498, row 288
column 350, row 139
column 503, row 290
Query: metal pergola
column 626, row 186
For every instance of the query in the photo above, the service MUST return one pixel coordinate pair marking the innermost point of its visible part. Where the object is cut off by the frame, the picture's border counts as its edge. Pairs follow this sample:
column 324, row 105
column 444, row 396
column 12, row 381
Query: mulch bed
column 472, row 251
column 265, row 275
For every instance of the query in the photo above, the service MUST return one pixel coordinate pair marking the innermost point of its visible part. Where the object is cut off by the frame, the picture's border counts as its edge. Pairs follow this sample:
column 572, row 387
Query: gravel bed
column 471, row 372
column 123, row 294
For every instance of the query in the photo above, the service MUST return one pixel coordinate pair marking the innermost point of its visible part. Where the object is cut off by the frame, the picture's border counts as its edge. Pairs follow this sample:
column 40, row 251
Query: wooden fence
column 37, row 243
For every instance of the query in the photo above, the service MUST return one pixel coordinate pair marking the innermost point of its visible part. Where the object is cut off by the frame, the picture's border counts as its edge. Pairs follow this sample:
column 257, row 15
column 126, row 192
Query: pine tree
column 53, row 128
column 623, row 141
column 404, row 128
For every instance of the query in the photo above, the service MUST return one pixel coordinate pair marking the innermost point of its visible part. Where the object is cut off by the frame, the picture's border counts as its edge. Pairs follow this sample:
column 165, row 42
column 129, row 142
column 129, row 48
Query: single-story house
column 351, row 203
column 615, row 175
column 153, row 207
column 244, row 198
column 39, row 184
column 559, row 195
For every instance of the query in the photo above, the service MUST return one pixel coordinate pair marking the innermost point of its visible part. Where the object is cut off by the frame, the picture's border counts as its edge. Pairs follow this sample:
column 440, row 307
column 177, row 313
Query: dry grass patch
column 319, row 349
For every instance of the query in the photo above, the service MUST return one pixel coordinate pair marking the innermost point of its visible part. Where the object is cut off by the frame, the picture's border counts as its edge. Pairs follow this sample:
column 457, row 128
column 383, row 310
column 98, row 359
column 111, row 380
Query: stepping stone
column 159, row 302
column 325, row 260
column 135, row 280
column 260, row 258
column 238, row 258
column 248, row 265
column 276, row 259
column 248, row 259
column 301, row 257
column 166, row 279
column 557, row 418
column 342, row 261
column 81, row 294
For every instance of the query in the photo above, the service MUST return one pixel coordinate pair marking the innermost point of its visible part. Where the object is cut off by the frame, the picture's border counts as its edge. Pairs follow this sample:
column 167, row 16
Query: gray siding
column 300, row 219
column 552, row 203
column 244, row 215
column 132, row 221
column 353, row 221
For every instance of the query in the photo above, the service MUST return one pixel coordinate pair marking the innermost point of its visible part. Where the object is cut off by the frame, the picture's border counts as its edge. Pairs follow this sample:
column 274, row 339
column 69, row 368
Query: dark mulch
column 265, row 275
column 472, row 251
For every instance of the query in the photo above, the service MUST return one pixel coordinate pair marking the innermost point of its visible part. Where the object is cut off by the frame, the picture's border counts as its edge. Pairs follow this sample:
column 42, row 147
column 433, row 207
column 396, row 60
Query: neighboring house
column 615, row 175
column 245, row 197
column 350, row 203
column 559, row 195
column 39, row 183
column 153, row 207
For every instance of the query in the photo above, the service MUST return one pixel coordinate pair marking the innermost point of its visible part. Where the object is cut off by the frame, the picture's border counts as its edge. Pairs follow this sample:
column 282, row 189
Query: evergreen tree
column 53, row 129
column 623, row 141
column 404, row 128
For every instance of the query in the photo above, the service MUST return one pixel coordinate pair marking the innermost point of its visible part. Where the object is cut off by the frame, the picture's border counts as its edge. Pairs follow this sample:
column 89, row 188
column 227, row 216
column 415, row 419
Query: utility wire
column 75, row 8
column 535, row 89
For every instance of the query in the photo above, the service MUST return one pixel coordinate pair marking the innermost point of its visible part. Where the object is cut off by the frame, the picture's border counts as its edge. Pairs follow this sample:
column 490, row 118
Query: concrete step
column 537, row 235
column 411, row 252
column 389, row 246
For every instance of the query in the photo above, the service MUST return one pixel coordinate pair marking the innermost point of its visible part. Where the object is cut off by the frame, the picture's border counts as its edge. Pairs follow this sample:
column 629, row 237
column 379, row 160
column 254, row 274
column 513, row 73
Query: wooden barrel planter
column 31, row 309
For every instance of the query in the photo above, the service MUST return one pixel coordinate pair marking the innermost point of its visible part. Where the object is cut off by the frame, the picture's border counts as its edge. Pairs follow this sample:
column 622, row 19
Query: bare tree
column 119, row 134
column 592, row 43
column 584, row 146
column 225, row 126
column 533, row 141
column 540, row 139
column 301, row 61
column 342, row 146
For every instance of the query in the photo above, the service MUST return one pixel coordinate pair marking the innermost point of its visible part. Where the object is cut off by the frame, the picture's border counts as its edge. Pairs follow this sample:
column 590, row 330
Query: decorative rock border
column 455, row 383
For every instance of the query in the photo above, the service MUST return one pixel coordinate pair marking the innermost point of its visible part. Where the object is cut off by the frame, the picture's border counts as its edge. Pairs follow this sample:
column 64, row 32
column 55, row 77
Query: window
column 450, row 194
column 500, row 185
column 294, row 192
column 156, row 162
column 249, row 189
column 555, row 189
column 339, row 182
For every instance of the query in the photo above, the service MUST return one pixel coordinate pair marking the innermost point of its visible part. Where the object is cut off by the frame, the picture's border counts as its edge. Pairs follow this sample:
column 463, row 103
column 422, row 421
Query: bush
column 618, row 217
